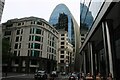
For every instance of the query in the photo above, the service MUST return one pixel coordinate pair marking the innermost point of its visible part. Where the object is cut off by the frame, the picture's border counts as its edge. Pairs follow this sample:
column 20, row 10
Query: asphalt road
column 29, row 77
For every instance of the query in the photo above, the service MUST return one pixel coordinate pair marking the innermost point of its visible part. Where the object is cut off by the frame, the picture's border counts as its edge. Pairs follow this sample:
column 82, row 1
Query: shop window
column 33, row 62
column 16, row 61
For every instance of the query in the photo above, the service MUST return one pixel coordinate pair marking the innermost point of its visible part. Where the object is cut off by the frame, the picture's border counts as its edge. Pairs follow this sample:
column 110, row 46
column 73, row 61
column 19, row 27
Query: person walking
column 109, row 77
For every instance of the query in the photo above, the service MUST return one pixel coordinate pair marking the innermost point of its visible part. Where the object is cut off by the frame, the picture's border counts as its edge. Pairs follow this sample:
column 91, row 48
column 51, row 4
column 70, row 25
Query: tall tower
column 2, row 2
column 63, row 21
column 71, row 27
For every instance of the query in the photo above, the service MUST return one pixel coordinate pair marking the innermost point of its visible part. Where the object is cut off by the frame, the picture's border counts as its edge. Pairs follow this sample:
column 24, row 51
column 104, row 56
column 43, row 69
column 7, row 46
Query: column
column 90, row 52
column 107, row 46
column 91, row 56
column 84, row 62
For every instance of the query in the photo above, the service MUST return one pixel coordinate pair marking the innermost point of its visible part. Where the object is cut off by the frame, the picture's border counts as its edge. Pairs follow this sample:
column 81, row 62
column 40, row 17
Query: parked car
column 54, row 74
column 42, row 75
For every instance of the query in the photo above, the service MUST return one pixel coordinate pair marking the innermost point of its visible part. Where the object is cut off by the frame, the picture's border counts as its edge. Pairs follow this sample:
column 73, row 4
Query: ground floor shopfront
column 27, row 64
column 101, row 50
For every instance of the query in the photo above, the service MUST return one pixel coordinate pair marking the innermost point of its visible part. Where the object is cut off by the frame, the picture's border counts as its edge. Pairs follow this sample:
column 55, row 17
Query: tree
column 6, row 55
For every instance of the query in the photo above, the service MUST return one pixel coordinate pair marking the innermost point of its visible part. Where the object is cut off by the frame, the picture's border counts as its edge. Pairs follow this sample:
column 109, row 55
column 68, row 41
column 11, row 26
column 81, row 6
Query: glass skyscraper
column 72, row 26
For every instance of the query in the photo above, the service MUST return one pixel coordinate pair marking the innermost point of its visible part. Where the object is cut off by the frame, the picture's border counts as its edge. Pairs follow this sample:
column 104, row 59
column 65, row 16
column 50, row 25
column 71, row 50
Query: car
column 73, row 76
column 54, row 74
column 63, row 73
column 42, row 75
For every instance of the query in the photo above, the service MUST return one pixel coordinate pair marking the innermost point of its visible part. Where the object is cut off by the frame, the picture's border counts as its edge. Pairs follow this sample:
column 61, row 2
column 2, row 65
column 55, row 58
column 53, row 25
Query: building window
column 17, row 39
column 18, row 32
column 52, row 44
column 31, row 38
column 16, row 61
column 35, row 53
column 7, row 38
column 16, row 46
column 62, row 52
column 62, row 46
column 40, row 53
column 61, row 61
column 19, row 45
column 32, row 30
column 62, row 43
column 42, row 39
column 39, row 23
column 38, row 31
column 18, row 53
column 33, row 62
column 61, row 56
column 9, row 25
column 21, row 31
column 15, row 53
column 19, row 24
column 20, row 38
column 62, row 34
column 22, row 23
column 38, row 38
column 52, row 50
column 7, row 33
column 62, row 38
column 37, row 46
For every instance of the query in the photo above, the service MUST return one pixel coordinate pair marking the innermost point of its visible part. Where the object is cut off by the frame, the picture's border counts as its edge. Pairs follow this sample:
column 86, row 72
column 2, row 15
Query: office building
column 34, row 44
column 2, row 2
column 100, row 50
column 65, row 53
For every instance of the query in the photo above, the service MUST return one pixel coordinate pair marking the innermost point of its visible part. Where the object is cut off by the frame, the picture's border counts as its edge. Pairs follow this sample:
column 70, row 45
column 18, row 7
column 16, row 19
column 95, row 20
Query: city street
column 28, row 77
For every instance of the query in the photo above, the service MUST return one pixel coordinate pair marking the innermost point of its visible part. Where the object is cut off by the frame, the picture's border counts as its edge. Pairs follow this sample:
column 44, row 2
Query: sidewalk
column 12, row 74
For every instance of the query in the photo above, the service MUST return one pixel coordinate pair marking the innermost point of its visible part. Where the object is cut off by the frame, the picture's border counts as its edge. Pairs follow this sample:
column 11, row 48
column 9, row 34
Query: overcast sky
column 38, row 8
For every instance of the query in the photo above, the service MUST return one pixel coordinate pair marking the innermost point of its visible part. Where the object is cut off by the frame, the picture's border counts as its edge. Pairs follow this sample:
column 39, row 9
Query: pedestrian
column 98, row 77
column 78, row 75
column 89, row 77
column 109, row 77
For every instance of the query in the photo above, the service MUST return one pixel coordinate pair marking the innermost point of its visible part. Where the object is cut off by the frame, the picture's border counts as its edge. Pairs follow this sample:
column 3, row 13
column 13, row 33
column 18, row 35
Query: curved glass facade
column 68, row 24
column 54, row 20
column 89, row 9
